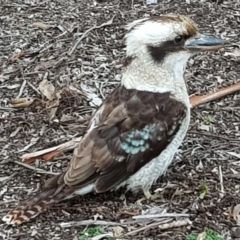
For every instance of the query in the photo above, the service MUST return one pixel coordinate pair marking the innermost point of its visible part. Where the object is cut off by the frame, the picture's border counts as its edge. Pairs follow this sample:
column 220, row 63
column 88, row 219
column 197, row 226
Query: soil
column 49, row 40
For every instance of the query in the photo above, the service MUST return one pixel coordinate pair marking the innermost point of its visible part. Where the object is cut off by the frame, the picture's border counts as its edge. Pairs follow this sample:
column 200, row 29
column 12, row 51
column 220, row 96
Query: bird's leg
column 148, row 196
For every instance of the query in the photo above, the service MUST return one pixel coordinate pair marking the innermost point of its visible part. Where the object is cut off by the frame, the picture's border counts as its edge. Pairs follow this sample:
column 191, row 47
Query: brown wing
column 131, row 128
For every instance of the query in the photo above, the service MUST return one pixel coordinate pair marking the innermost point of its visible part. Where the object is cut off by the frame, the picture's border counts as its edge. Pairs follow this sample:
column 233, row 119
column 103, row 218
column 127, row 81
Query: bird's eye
column 178, row 39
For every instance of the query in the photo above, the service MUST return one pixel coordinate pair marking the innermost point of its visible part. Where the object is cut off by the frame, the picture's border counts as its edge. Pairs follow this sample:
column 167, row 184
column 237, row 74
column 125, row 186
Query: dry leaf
column 50, row 152
column 75, row 237
column 101, row 236
column 47, row 89
column 117, row 231
column 53, row 105
column 41, row 25
column 16, row 57
column 93, row 97
column 202, row 236
column 2, row 179
column 235, row 53
column 21, row 102
column 14, row 133
column 45, row 65
column 236, row 214
column 33, row 141
column 151, row 2
column 234, row 154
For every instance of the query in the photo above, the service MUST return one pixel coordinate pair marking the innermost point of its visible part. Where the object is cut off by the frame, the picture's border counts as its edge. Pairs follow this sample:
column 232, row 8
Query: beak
column 205, row 43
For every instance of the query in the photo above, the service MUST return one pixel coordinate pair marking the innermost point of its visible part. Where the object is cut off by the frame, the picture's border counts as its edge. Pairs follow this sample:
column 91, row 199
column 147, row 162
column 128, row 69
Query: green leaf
column 211, row 235
column 208, row 120
column 91, row 232
column 192, row 236
column 203, row 191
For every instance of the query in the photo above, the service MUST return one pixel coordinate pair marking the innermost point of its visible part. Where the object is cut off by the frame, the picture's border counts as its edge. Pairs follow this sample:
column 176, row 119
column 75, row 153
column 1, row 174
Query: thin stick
column 179, row 223
column 198, row 100
column 38, row 170
column 164, row 215
column 101, row 236
column 24, row 81
column 21, row 89
column 50, row 152
column 88, row 222
column 7, row 109
column 209, row 134
column 164, row 226
column 29, row 84
column 70, row 52
column 141, row 229
column 221, row 182
column 8, row 179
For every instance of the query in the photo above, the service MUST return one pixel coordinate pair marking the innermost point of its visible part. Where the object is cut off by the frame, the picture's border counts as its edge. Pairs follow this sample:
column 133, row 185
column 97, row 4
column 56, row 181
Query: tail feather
column 36, row 205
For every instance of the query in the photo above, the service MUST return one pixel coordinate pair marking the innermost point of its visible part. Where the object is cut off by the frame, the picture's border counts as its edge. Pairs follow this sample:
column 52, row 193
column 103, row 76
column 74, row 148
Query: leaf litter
column 74, row 46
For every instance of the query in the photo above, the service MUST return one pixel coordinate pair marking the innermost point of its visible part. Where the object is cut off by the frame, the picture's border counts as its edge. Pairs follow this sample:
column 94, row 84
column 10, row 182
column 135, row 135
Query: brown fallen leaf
column 53, row 105
column 234, row 54
column 41, row 25
column 47, row 89
column 117, row 231
column 49, row 153
column 21, row 102
column 16, row 57
column 236, row 214
column 45, row 65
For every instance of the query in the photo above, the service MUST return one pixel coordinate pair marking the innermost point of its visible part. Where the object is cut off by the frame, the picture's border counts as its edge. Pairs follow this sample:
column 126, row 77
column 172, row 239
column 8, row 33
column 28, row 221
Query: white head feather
column 144, row 72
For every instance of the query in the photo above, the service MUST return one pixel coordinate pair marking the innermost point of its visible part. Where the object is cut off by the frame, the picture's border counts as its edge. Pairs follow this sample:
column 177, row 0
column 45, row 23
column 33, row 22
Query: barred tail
column 37, row 205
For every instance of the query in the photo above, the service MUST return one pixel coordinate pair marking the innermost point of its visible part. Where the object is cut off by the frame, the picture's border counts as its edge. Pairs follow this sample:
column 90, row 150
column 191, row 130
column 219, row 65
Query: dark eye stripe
column 158, row 53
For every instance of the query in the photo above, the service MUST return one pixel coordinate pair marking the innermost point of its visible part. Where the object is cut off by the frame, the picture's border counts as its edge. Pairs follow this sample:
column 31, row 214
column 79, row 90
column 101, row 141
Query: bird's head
column 167, row 38
column 158, row 49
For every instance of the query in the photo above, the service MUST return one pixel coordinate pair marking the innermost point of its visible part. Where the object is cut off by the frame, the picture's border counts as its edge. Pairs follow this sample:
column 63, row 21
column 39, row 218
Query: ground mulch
column 77, row 45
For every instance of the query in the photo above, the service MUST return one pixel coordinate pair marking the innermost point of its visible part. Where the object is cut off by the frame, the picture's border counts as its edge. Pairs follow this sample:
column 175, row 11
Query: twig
column 236, row 176
column 23, row 84
column 179, row 223
column 88, row 222
column 70, row 52
column 164, row 226
column 230, row 108
column 221, row 181
column 21, row 89
column 101, row 236
column 7, row 109
column 4, row 202
column 8, row 179
column 208, row 134
column 129, row 213
column 38, row 170
column 35, row 89
column 163, row 215
column 51, row 152
column 140, row 229
column 198, row 100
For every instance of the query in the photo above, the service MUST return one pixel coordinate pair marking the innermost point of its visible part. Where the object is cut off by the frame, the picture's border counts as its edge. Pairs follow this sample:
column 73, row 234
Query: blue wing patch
column 138, row 140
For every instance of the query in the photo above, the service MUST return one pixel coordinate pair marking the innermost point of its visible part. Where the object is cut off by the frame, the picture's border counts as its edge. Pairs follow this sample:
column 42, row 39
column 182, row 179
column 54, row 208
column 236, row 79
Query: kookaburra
column 134, row 134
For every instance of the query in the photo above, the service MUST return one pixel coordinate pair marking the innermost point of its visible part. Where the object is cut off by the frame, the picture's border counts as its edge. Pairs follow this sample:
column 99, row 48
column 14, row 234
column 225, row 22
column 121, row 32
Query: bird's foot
column 148, row 196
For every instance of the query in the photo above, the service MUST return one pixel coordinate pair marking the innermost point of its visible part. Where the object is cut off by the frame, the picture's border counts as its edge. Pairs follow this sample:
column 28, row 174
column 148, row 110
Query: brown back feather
column 125, row 111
